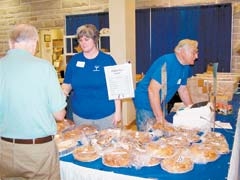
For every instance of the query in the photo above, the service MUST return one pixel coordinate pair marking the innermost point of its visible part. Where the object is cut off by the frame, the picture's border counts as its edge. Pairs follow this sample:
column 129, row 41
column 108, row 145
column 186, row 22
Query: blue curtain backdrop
column 169, row 25
column 209, row 25
column 158, row 30
column 215, row 29
column 143, row 47
column 100, row 20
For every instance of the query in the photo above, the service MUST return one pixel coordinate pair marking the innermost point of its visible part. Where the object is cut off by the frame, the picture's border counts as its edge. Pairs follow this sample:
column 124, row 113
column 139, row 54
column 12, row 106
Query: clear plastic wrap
column 177, row 164
column 201, row 154
column 116, row 157
column 86, row 153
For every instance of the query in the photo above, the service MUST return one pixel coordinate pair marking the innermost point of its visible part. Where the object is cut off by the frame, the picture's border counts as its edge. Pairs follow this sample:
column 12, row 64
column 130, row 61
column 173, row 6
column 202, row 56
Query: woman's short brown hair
column 88, row 30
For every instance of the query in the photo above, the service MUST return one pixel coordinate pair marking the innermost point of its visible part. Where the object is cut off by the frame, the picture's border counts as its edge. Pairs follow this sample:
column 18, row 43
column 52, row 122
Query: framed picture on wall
column 47, row 37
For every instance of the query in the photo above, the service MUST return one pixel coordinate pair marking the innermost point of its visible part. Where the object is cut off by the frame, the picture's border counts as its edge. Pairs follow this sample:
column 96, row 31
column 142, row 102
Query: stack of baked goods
column 86, row 153
column 176, row 151
column 64, row 125
column 141, row 158
column 87, row 129
column 106, row 138
column 160, row 150
column 116, row 157
column 66, row 147
column 201, row 154
column 215, row 140
column 177, row 164
column 140, row 136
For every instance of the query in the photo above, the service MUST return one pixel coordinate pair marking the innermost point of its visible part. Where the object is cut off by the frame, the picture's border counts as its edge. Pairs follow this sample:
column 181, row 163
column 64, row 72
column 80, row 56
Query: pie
column 153, row 162
column 177, row 164
column 178, row 141
column 87, row 129
column 118, row 157
column 66, row 146
column 64, row 125
column 107, row 137
column 160, row 150
column 216, row 141
column 202, row 154
column 85, row 153
column 140, row 136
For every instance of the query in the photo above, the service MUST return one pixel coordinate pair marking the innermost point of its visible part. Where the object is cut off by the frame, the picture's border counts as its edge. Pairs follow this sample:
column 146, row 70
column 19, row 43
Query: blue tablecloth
column 217, row 170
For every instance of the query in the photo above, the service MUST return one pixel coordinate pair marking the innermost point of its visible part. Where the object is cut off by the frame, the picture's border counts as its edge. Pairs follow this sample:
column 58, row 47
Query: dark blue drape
column 143, row 32
column 209, row 25
column 100, row 20
column 158, row 30
column 215, row 27
column 169, row 25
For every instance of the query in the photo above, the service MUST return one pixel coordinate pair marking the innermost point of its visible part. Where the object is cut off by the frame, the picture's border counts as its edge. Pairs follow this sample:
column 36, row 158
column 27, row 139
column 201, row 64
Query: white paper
column 222, row 125
column 119, row 81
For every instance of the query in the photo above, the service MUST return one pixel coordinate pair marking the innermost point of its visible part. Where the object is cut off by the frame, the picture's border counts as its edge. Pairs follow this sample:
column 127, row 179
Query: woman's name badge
column 179, row 81
column 80, row 64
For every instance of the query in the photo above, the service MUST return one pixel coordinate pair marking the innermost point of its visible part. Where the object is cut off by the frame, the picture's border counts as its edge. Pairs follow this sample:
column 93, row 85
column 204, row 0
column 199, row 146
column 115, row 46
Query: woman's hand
column 117, row 118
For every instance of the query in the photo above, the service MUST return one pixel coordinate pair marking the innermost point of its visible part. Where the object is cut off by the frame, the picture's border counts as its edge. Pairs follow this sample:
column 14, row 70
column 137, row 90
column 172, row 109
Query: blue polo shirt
column 177, row 75
column 87, row 78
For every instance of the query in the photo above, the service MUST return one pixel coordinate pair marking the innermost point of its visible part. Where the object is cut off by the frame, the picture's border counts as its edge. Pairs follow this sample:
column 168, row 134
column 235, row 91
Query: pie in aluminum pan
column 118, row 157
column 85, row 153
column 177, row 164
column 159, row 150
column 202, row 154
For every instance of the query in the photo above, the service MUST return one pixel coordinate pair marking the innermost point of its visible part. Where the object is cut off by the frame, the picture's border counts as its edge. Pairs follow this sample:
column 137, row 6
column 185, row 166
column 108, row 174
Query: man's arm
column 59, row 115
column 66, row 88
column 185, row 95
column 155, row 100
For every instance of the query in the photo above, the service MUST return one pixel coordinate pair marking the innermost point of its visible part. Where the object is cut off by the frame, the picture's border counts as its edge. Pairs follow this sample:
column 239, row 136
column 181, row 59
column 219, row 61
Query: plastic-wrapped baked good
column 85, row 153
column 140, row 136
column 116, row 157
column 202, row 154
column 141, row 158
column 178, row 141
column 87, row 129
column 177, row 164
column 216, row 141
column 160, row 150
column 106, row 138
column 66, row 147
column 64, row 125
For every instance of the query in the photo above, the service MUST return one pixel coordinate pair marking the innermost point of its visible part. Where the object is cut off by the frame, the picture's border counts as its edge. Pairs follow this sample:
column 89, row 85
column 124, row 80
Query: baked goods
column 202, row 154
column 160, row 150
column 107, row 137
column 153, row 162
column 177, row 164
column 192, row 136
column 72, row 134
column 166, row 128
column 216, row 141
column 85, row 153
column 87, row 129
column 64, row 125
column 66, row 147
column 143, row 158
column 177, row 141
column 118, row 157
column 66, row 144
column 140, row 136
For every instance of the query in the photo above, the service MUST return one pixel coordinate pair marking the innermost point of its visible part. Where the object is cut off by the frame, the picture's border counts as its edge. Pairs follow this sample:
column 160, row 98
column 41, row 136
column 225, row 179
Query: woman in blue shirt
column 85, row 76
